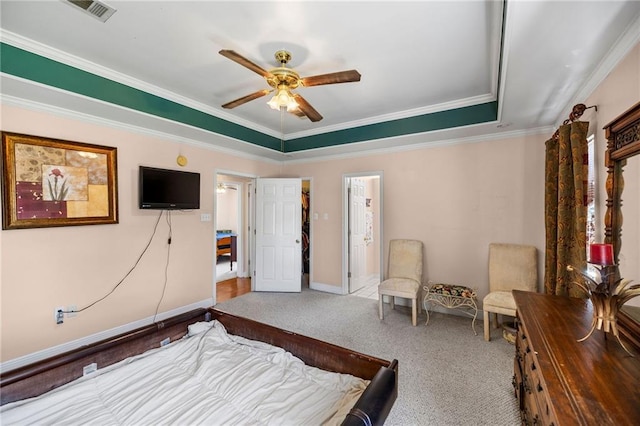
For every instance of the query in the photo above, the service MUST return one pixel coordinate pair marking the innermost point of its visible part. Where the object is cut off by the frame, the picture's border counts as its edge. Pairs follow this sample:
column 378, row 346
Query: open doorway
column 228, row 226
column 362, row 239
column 234, row 217
column 232, row 256
column 306, row 232
column 231, row 238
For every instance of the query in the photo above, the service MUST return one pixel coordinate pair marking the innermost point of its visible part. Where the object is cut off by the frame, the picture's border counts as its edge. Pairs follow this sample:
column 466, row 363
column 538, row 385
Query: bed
column 355, row 389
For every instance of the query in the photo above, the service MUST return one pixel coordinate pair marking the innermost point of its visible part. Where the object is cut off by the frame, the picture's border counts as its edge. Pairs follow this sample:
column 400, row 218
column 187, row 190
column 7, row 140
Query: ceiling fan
column 285, row 79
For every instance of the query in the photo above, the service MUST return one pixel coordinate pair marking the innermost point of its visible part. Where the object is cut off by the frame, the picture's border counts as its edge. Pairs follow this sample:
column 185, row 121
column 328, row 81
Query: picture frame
column 51, row 182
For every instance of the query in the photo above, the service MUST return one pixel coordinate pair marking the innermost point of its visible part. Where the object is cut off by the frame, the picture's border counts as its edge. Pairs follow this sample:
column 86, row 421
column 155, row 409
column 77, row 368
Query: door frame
column 346, row 221
column 244, row 223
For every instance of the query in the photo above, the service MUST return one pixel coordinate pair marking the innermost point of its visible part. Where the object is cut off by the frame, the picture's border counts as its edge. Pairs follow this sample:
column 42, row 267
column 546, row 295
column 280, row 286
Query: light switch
column 205, row 217
column 315, row 216
column 325, row 216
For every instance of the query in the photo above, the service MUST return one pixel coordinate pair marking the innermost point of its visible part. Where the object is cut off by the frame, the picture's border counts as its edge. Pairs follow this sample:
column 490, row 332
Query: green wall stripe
column 30, row 66
column 418, row 124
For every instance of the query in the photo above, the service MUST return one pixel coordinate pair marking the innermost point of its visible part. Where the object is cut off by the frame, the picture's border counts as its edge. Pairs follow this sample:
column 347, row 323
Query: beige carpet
column 447, row 375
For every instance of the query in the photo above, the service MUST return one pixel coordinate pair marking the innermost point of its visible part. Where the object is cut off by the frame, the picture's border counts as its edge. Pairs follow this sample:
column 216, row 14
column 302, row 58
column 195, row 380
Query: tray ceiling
column 431, row 71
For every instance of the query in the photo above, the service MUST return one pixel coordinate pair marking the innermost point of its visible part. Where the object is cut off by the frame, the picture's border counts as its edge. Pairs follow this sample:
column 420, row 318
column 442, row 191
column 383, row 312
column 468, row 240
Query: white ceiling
column 415, row 58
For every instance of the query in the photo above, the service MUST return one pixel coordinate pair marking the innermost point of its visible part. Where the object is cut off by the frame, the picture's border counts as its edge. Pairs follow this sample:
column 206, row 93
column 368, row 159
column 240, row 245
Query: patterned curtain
column 566, row 173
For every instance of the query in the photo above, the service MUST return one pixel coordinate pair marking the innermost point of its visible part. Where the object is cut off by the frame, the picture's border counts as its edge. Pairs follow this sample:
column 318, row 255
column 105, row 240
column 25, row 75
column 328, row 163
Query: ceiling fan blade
column 298, row 113
column 245, row 99
column 236, row 57
column 331, row 78
column 306, row 108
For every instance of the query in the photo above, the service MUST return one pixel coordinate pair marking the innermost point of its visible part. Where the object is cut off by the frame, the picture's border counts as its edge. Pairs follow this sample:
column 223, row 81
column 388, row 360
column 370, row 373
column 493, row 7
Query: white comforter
column 209, row 378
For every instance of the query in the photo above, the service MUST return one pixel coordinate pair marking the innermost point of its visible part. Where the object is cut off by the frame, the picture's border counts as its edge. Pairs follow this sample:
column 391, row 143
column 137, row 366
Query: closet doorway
column 306, row 232
column 362, row 239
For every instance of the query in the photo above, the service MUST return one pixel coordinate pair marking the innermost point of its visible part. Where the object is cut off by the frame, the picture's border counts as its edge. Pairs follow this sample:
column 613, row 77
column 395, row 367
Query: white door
column 278, row 228
column 357, row 227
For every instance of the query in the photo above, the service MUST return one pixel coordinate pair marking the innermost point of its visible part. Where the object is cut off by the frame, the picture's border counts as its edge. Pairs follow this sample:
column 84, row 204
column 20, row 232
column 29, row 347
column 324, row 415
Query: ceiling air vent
column 96, row 9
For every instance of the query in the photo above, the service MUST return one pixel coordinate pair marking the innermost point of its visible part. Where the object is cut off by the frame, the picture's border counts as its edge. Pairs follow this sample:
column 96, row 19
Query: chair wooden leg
column 414, row 312
column 495, row 320
column 380, row 311
column 392, row 302
column 487, row 334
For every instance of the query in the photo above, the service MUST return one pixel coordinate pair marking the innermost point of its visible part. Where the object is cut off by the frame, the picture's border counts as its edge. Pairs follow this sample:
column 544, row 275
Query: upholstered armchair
column 511, row 267
column 404, row 275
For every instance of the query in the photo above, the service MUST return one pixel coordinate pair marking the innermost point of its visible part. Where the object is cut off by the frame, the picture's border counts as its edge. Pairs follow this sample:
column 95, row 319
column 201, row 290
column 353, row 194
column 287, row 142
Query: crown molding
column 418, row 146
column 58, row 55
column 101, row 121
column 445, row 106
column 625, row 43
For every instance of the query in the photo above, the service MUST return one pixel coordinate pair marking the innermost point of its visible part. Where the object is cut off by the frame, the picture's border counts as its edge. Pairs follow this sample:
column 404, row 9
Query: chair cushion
column 403, row 287
column 499, row 299
column 512, row 266
column 452, row 290
column 405, row 259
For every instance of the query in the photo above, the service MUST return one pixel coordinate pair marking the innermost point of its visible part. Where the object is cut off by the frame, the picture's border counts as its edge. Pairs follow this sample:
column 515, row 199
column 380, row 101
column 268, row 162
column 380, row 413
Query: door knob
column 297, row 241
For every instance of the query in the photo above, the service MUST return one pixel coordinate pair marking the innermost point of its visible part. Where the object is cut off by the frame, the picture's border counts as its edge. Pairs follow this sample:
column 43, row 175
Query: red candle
column 601, row 254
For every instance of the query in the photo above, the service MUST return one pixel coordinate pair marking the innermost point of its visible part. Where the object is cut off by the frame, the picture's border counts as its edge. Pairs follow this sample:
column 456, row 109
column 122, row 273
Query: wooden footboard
column 371, row 409
column 40, row 377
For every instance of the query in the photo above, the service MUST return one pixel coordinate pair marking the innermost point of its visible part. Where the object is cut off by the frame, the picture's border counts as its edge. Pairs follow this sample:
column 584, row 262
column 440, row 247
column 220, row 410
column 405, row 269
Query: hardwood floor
column 234, row 287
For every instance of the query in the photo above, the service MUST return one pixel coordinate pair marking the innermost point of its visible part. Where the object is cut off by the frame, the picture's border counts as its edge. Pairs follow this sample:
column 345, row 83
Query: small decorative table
column 452, row 297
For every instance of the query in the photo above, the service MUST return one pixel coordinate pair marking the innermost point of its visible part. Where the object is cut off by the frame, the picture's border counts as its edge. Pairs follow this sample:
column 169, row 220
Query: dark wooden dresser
column 559, row 381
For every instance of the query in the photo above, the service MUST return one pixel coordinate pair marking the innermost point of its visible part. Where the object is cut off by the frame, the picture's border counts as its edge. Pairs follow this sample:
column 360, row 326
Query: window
column 590, row 201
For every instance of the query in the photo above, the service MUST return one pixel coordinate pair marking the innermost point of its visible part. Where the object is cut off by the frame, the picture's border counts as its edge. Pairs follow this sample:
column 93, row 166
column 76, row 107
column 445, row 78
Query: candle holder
column 607, row 297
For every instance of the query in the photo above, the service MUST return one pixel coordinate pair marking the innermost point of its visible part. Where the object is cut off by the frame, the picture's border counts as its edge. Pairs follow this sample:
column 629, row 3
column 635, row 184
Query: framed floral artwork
column 50, row 182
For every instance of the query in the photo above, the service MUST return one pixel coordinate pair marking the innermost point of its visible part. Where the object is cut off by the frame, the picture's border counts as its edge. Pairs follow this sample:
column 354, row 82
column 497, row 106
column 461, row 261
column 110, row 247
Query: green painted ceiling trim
column 30, row 66
column 464, row 116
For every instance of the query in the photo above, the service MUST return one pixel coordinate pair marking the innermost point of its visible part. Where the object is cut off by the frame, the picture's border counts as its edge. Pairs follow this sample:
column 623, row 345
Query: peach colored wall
column 49, row 267
column 456, row 199
column 617, row 93
column 227, row 210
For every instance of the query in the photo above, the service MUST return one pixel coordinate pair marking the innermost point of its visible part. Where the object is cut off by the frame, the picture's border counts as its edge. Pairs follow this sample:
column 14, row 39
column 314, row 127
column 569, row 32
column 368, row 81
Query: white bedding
column 209, row 378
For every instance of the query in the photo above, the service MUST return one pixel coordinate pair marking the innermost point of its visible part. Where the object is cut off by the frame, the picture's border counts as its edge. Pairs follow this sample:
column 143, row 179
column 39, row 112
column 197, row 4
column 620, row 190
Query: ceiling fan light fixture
column 283, row 80
column 283, row 99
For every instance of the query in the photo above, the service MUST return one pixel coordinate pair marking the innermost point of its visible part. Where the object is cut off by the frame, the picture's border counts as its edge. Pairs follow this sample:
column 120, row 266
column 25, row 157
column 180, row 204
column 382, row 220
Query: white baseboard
column 75, row 344
column 327, row 288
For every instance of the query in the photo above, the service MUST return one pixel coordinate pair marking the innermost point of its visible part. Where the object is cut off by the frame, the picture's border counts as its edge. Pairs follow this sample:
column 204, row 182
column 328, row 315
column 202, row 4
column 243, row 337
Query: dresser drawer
column 529, row 384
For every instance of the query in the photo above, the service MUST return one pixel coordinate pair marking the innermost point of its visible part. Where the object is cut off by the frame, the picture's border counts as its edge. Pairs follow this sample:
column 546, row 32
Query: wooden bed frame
column 372, row 408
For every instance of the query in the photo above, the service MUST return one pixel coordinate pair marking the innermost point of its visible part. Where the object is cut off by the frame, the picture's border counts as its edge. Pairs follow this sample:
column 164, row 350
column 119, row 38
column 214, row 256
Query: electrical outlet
column 88, row 369
column 58, row 314
column 72, row 311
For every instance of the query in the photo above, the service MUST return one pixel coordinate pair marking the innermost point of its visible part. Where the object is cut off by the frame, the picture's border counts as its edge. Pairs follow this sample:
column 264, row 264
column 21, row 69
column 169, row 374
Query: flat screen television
column 163, row 189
